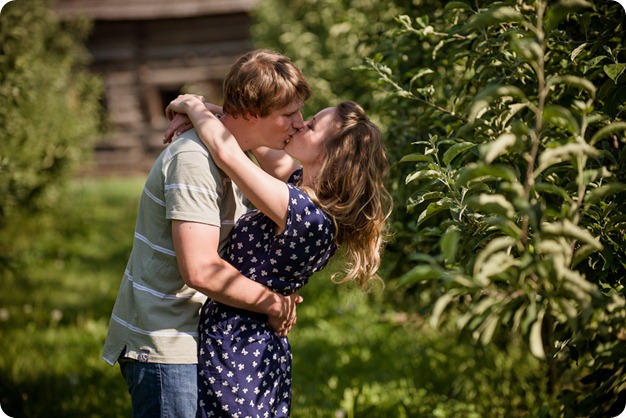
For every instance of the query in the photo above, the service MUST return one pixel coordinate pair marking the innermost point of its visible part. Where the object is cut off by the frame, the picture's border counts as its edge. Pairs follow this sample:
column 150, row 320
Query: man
column 185, row 214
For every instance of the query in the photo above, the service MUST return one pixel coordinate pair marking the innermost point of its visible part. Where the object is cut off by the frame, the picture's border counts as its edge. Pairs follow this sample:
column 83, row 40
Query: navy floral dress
column 244, row 366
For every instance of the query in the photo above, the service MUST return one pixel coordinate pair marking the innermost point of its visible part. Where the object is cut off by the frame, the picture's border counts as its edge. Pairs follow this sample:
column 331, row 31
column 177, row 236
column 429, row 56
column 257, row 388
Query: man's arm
column 203, row 269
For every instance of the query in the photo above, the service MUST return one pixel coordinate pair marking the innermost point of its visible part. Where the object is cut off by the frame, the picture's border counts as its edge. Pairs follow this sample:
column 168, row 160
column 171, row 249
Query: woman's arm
column 269, row 194
column 276, row 162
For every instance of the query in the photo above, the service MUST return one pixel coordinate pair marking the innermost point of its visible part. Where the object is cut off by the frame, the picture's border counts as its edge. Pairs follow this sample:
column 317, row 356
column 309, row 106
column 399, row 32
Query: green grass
column 354, row 354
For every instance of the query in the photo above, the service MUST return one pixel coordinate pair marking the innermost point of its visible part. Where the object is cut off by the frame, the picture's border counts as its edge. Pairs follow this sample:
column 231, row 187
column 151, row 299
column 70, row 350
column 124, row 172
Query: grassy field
column 354, row 355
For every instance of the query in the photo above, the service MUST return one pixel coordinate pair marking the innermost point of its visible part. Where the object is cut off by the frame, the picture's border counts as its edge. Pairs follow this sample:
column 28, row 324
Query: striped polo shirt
column 155, row 316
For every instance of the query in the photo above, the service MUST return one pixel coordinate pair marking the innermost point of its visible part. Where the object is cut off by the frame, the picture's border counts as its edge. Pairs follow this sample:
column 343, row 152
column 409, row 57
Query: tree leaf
column 557, row 155
column 455, row 150
column 496, row 245
column 418, row 274
column 492, row 203
column 577, row 51
column 595, row 195
column 567, row 228
column 494, row 16
column 560, row 10
column 535, row 339
column 442, row 302
column 607, row 130
column 449, row 243
column 416, row 157
column 475, row 172
column 561, row 117
column 488, row 328
column 572, row 80
column 433, row 209
column 526, row 48
column 422, row 174
column 489, row 94
column 492, row 150
column 614, row 70
column 455, row 5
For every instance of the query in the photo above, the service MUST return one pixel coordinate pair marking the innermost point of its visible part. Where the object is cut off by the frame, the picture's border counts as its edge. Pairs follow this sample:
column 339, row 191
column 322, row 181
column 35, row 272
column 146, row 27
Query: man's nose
column 298, row 121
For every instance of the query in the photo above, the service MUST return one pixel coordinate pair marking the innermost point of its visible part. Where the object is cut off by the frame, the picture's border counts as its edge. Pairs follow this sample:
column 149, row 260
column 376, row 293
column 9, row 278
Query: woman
column 333, row 196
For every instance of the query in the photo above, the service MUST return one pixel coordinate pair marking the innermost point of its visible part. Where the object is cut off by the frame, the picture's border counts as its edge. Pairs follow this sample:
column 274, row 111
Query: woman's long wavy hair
column 350, row 187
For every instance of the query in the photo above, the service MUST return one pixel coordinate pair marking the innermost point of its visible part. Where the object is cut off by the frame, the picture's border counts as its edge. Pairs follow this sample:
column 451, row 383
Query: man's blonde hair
column 261, row 82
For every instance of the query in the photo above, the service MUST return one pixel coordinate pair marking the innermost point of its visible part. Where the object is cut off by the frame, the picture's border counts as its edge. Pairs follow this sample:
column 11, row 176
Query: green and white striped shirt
column 155, row 317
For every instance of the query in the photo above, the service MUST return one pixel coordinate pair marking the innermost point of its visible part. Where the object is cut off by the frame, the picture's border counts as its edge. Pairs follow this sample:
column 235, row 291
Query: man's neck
column 241, row 130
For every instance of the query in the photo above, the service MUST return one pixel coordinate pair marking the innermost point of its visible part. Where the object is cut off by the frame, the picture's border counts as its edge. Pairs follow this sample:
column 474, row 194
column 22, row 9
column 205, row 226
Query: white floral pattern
column 244, row 368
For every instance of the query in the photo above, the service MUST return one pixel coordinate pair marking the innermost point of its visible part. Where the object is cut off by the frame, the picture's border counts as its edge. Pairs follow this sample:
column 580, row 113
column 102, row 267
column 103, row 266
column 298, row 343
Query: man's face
column 275, row 129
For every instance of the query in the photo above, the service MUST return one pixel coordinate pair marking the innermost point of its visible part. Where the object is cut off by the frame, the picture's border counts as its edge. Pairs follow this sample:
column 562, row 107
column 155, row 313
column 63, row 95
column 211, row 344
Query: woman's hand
column 180, row 123
column 176, row 113
column 180, row 104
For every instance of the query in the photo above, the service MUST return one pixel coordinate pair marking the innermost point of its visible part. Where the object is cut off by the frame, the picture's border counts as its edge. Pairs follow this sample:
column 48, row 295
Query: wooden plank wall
column 144, row 63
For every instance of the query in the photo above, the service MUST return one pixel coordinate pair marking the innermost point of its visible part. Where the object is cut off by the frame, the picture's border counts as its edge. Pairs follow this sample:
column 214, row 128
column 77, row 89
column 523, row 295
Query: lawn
column 355, row 355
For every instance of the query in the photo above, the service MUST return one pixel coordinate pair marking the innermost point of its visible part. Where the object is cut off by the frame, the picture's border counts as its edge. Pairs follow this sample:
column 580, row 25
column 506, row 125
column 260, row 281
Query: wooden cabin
column 147, row 52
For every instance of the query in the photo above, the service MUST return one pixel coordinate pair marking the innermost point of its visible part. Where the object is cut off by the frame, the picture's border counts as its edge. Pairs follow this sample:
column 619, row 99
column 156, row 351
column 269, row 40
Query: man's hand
column 286, row 317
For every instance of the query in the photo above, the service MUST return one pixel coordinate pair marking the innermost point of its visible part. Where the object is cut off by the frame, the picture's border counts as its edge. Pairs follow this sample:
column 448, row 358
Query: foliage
column 49, row 108
column 516, row 118
column 55, row 314
column 326, row 39
column 353, row 356
column 508, row 121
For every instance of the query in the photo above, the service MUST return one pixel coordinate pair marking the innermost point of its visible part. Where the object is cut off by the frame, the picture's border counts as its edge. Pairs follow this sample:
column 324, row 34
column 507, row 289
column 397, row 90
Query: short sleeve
column 193, row 188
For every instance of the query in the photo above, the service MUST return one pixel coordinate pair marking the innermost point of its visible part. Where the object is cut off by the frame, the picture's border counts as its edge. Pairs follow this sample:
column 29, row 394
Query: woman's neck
column 309, row 174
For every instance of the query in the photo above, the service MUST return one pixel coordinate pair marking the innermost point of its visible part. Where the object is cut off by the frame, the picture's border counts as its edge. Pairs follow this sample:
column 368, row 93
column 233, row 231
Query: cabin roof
column 149, row 9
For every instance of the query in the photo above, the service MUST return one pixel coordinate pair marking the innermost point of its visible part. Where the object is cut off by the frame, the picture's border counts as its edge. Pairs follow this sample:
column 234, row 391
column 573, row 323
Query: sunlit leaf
column 496, row 245
column 416, row 157
column 423, row 195
column 422, row 174
column 614, row 70
column 567, row 228
column 449, row 243
column 442, row 302
column 433, row 209
column 492, row 150
column 489, row 94
column 418, row 274
column 596, row 195
column 475, row 172
column 608, row 130
column 572, row 80
column 489, row 327
column 535, row 339
column 527, row 48
column 553, row 156
column 455, row 150
column 557, row 12
column 577, row 51
column 561, row 117
column 455, row 5
column 492, row 203
column 494, row 16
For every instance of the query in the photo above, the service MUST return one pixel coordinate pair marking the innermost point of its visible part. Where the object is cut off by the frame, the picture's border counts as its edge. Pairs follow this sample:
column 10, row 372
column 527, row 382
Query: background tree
column 518, row 182
column 49, row 110
column 509, row 118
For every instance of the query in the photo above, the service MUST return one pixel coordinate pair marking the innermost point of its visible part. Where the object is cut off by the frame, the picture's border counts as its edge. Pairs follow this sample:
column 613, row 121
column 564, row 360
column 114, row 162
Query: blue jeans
column 161, row 390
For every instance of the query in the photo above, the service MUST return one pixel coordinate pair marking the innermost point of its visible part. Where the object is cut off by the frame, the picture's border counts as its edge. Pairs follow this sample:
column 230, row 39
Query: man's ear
column 251, row 118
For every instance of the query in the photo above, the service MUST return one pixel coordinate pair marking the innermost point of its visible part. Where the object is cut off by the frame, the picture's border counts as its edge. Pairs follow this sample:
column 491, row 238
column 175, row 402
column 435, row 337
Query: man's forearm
column 225, row 284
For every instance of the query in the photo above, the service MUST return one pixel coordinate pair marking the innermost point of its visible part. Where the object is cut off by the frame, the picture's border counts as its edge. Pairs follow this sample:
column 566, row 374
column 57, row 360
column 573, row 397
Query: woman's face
column 306, row 144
